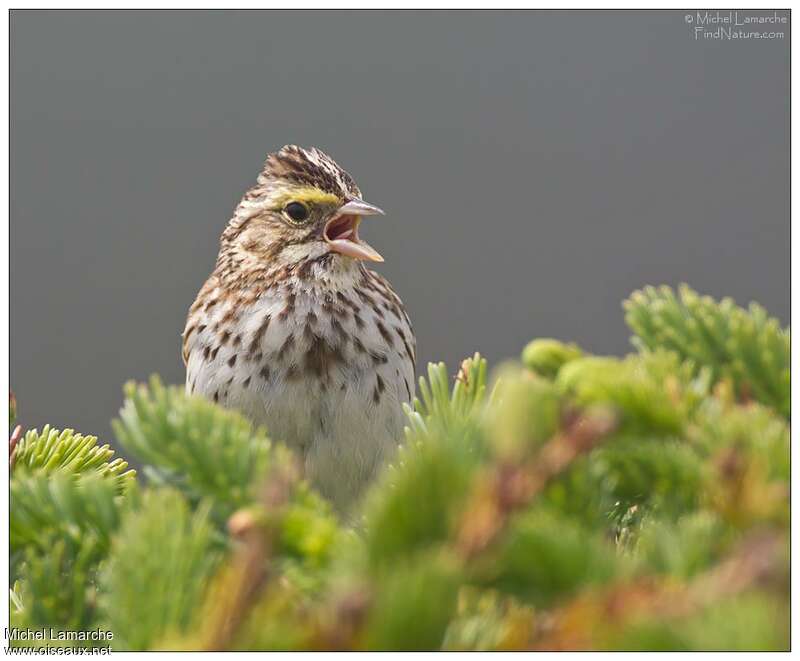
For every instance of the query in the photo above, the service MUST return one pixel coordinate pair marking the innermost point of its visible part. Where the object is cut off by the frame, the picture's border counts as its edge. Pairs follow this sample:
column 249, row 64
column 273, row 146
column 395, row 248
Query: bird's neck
column 238, row 270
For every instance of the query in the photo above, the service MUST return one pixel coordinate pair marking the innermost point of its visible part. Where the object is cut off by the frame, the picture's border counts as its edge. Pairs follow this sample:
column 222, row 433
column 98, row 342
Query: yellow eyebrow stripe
column 309, row 195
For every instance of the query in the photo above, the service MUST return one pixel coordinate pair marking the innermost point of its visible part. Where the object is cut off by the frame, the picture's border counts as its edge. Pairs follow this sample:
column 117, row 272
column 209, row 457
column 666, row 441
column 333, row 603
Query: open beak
column 341, row 231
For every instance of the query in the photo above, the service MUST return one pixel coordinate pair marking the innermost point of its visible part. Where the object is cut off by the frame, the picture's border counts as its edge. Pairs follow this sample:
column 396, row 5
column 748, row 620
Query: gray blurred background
column 536, row 167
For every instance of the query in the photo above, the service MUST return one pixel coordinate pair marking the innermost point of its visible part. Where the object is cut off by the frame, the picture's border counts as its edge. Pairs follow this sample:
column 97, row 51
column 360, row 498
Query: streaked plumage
column 294, row 331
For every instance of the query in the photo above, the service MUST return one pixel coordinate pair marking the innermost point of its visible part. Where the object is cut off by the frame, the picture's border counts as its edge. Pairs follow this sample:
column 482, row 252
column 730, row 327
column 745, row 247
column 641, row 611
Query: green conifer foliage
column 193, row 445
column 746, row 346
column 157, row 570
column 562, row 501
column 68, row 497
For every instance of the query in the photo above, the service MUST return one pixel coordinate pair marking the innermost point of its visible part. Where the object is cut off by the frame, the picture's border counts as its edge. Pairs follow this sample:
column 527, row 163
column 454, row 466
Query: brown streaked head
column 303, row 207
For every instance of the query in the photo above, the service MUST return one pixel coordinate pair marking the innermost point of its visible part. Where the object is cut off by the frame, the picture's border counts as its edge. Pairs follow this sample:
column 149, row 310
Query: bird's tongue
column 342, row 237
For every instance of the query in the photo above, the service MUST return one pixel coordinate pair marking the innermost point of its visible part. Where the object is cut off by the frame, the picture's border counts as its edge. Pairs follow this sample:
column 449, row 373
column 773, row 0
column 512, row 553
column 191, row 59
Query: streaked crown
column 309, row 167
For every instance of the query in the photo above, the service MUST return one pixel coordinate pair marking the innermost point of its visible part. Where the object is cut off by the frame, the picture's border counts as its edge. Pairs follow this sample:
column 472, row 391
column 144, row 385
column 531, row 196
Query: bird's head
column 303, row 207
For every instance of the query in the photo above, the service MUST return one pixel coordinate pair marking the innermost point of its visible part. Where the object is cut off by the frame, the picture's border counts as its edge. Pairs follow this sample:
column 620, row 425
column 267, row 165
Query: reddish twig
column 16, row 436
column 248, row 575
column 507, row 487
column 586, row 622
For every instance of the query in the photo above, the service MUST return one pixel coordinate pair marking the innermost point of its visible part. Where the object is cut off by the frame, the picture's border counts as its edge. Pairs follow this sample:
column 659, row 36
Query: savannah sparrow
column 295, row 332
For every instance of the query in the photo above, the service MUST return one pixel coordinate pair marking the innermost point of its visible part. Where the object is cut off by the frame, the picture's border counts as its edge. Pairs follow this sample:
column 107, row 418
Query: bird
column 295, row 332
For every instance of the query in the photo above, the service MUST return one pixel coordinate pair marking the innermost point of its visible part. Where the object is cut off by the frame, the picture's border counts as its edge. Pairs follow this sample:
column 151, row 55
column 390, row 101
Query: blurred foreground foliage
column 571, row 502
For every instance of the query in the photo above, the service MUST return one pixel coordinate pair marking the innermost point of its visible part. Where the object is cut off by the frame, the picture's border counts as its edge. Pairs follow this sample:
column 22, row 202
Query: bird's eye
column 297, row 211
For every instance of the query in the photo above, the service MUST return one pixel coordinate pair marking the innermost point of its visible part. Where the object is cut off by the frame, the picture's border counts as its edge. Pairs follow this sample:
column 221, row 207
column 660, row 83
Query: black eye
column 296, row 211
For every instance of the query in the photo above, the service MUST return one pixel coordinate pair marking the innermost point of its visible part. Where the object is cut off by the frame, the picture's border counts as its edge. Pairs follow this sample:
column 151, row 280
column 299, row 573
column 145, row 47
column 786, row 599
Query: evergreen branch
column 412, row 604
column 614, row 618
column 443, row 407
column 644, row 401
column 60, row 505
column 546, row 356
column 72, row 606
column 238, row 586
column 508, row 488
column 543, row 557
column 612, row 492
column 194, row 445
column 54, row 450
column 60, row 528
column 746, row 346
column 157, row 570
